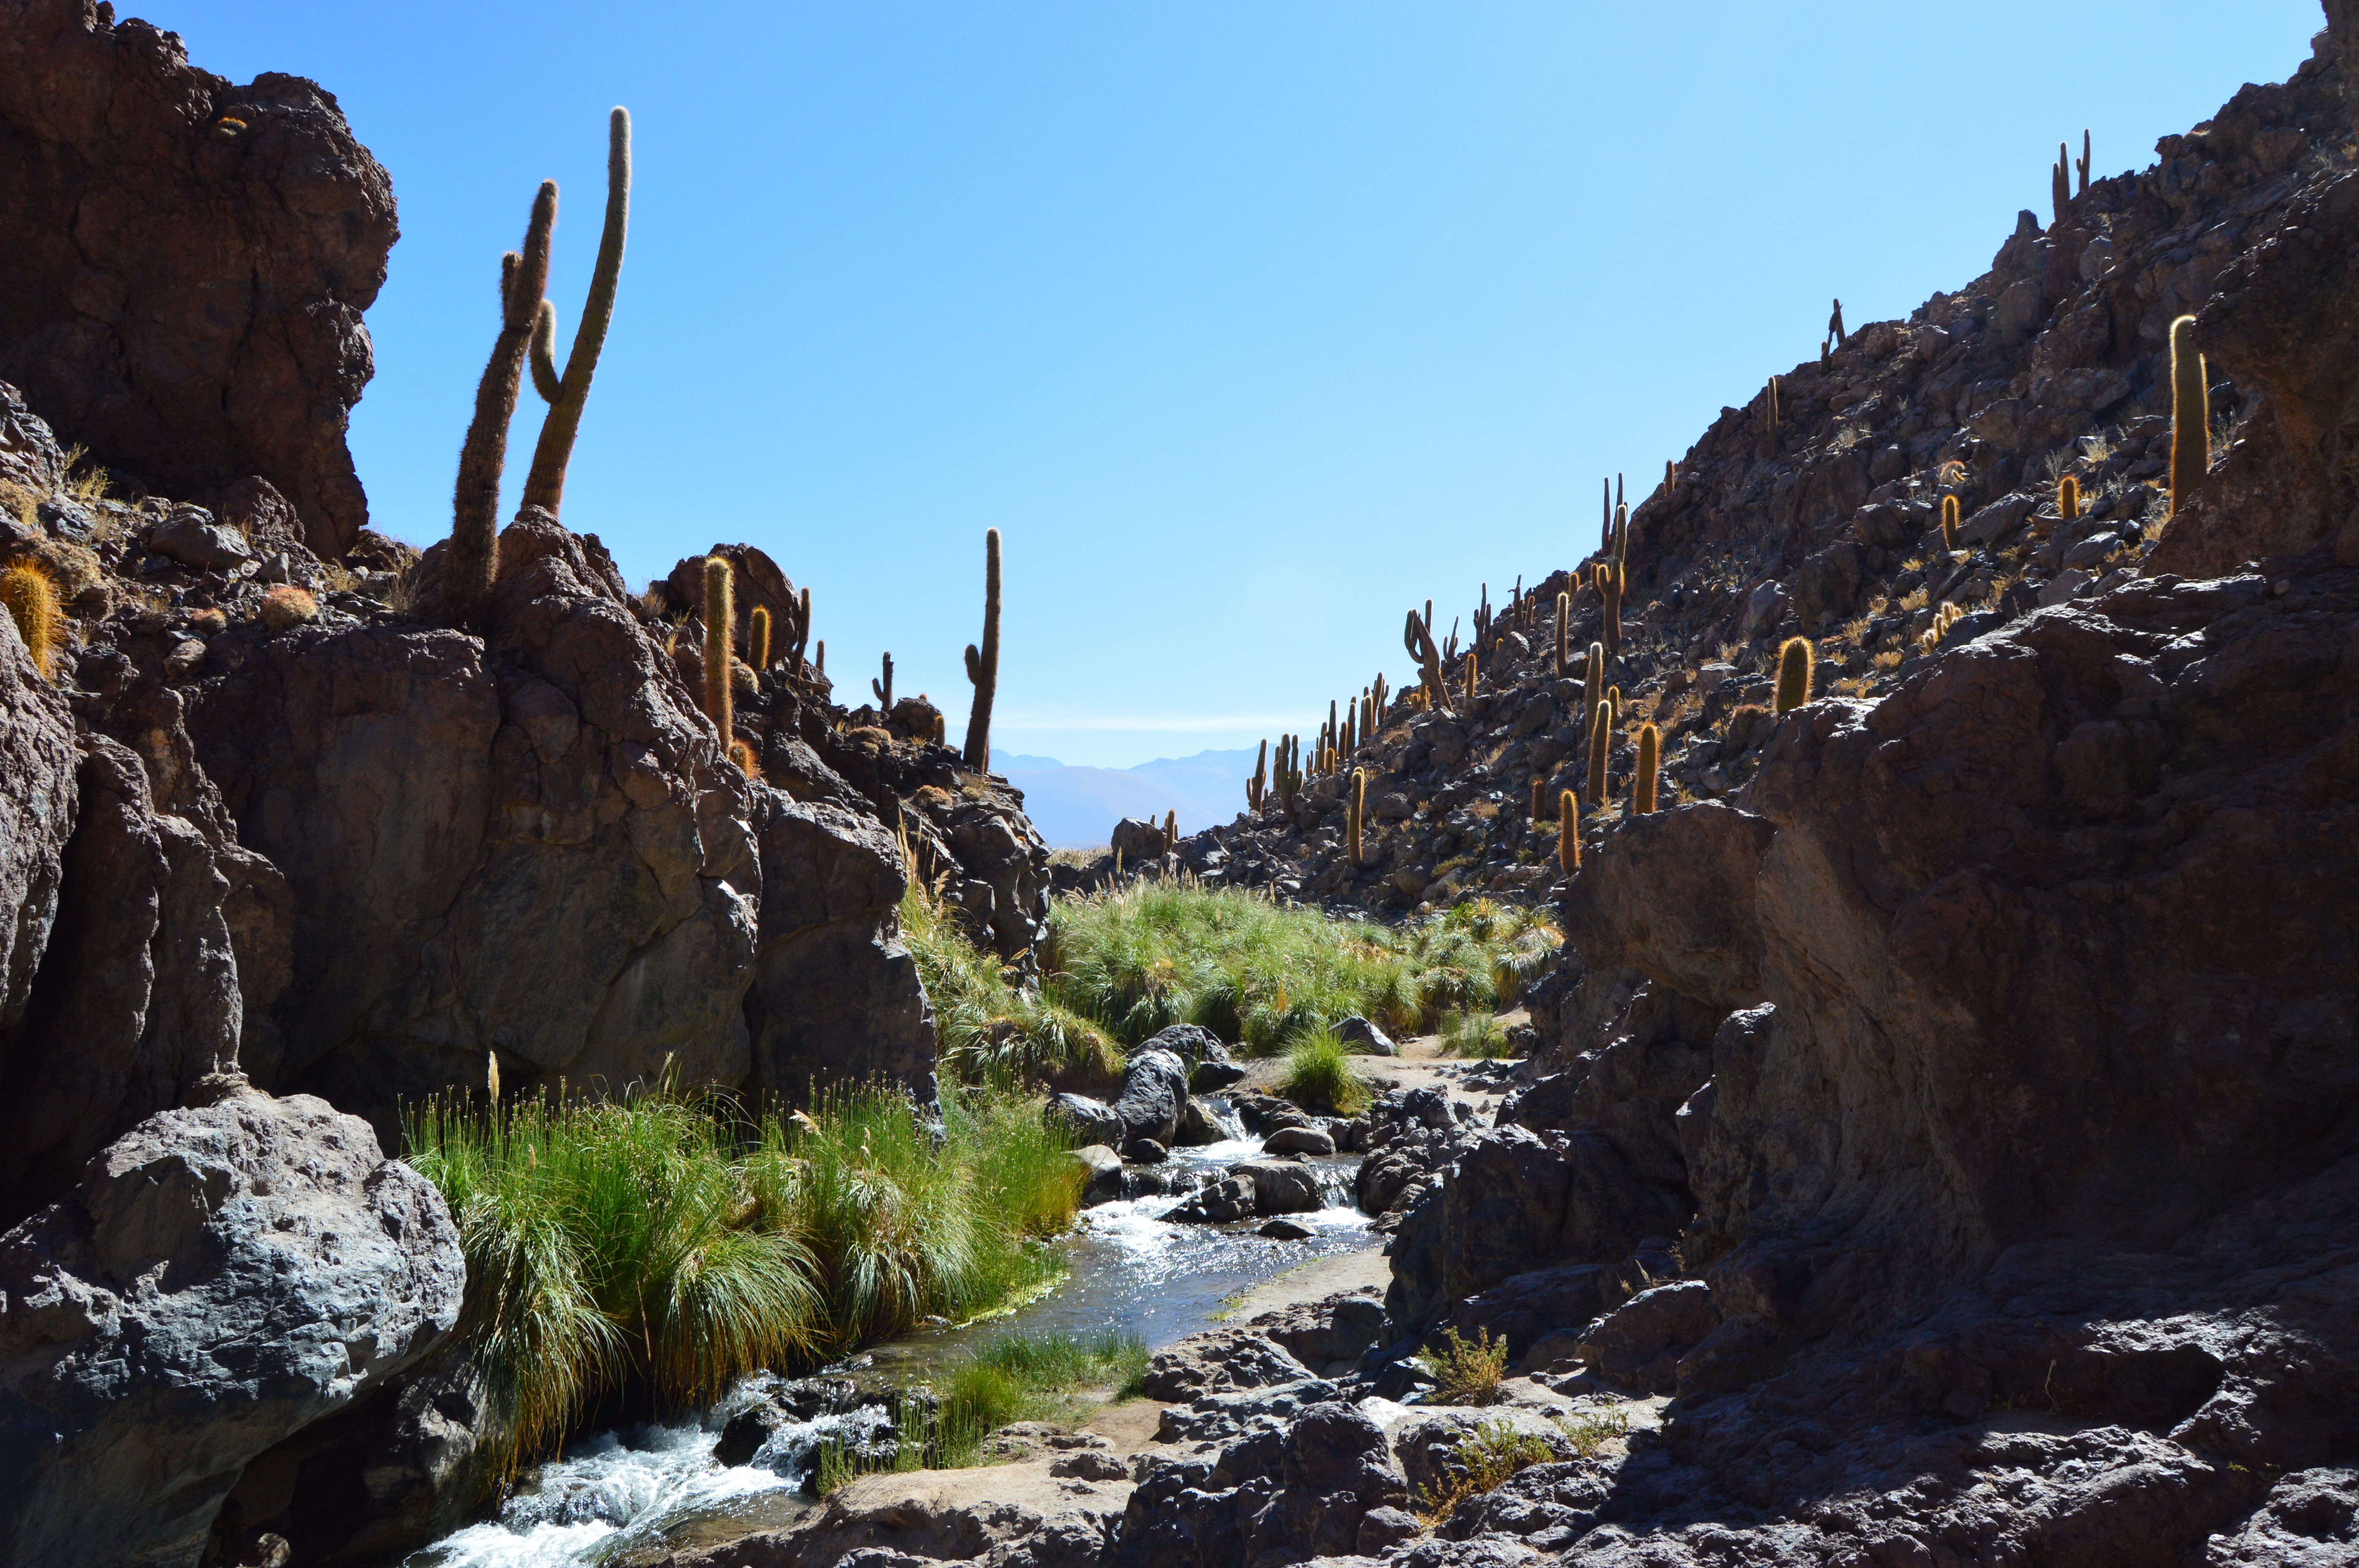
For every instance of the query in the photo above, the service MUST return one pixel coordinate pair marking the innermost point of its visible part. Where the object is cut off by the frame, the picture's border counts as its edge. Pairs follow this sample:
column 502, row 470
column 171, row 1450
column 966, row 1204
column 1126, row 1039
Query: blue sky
column 1249, row 324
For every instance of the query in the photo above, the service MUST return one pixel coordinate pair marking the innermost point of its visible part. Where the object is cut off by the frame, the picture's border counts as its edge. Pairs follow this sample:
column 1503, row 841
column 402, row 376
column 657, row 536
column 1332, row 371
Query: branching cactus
column 1797, row 661
column 983, row 663
column 1482, row 616
column 545, row 485
column 799, row 627
column 883, row 686
column 2191, row 414
column 1568, row 831
column 1651, row 747
column 472, row 559
column 1417, row 636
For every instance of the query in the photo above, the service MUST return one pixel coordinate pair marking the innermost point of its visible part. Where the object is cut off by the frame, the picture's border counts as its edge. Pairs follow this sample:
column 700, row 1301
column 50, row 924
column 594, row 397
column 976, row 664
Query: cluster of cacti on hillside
column 2060, row 178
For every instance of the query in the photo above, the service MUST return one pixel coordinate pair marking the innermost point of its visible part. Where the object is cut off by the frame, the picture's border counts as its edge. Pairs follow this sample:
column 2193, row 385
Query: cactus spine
column 473, row 557
column 32, row 596
column 1651, row 747
column 717, row 614
column 757, row 636
column 545, row 485
column 2191, row 414
column 1949, row 522
column 983, row 663
column 1567, row 832
column 884, row 687
column 1796, row 663
column 1359, row 811
column 2068, row 498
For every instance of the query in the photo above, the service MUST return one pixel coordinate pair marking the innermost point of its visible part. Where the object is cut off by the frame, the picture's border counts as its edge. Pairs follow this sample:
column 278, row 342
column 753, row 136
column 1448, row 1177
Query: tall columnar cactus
column 1593, row 676
column 1608, row 579
column 1769, row 423
column 1797, row 662
column 1568, row 831
column 472, row 559
column 1601, row 739
column 2068, row 498
column 1257, row 785
column 883, row 686
column 1171, row 828
column 758, row 637
column 1563, row 633
column 1483, row 616
column 1536, row 782
column 1621, row 540
column 2059, row 180
column 983, row 663
column 1382, row 689
column 1359, row 812
column 1450, row 644
column 1605, row 518
column 2084, row 162
column 545, row 485
column 30, row 594
column 1650, row 751
column 1671, row 469
column 1949, row 523
column 1470, row 677
column 2191, row 414
column 819, row 658
column 1417, row 636
column 718, row 614
column 1835, row 325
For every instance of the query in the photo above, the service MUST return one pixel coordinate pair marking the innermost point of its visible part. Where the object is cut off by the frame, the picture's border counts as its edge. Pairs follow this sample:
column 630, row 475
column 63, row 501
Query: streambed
column 616, row 1498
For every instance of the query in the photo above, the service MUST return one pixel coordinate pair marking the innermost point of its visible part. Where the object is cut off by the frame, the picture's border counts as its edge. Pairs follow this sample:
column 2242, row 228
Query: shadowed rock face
column 221, row 1278
column 182, row 295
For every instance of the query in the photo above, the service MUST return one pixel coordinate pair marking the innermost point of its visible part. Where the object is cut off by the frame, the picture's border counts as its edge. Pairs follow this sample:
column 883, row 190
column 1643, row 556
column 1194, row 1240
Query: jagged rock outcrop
column 188, row 262
column 222, row 1276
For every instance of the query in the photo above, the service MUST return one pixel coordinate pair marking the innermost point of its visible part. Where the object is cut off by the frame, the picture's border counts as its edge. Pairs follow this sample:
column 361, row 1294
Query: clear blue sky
column 1249, row 323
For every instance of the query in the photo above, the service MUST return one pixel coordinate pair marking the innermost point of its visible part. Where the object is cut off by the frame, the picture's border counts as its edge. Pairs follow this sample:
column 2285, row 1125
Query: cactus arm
column 545, row 486
column 545, row 379
column 475, row 500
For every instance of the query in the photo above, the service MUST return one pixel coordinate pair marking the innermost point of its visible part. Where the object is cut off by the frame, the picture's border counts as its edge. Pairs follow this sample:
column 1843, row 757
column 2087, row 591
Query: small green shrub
column 1319, row 1075
column 1491, row 1455
column 1468, row 1371
column 1594, row 1430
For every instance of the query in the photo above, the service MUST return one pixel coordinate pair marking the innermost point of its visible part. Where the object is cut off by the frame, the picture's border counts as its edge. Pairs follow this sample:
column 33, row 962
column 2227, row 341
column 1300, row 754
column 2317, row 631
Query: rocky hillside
column 1822, row 520
column 285, row 848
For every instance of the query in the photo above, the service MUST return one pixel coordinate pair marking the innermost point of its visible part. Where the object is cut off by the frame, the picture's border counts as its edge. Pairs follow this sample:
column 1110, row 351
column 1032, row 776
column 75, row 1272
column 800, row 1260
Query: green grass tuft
column 1475, row 1034
column 1320, row 1076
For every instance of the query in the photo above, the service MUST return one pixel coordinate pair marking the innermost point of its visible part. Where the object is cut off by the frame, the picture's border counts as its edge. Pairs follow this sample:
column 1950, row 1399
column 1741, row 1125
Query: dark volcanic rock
column 188, row 264
column 222, row 1278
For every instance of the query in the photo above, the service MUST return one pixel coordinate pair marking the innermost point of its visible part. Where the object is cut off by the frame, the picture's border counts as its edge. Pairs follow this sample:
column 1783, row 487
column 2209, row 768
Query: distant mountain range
column 1076, row 808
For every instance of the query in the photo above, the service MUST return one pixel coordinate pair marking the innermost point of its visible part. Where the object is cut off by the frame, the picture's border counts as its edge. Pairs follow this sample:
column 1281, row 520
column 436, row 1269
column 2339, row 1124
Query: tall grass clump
column 652, row 1249
column 1320, row 1076
column 1474, row 1034
column 990, row 1030
column 1136, row 959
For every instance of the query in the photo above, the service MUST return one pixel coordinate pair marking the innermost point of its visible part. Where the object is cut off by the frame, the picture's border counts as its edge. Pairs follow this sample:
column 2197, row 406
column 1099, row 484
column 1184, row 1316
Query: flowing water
column 618, row 1496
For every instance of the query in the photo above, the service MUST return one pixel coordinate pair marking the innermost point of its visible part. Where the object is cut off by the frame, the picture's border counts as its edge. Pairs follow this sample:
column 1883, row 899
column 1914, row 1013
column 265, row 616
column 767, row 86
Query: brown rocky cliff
column 188, row 261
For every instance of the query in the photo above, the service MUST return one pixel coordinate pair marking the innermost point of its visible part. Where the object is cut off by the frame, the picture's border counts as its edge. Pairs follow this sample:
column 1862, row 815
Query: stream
column 618, row 1496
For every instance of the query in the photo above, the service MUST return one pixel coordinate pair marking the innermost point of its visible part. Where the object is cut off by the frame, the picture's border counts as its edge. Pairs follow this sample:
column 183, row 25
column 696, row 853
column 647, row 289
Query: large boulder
column 1154, row 1094
column 189, row 262
column 223, row 1277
